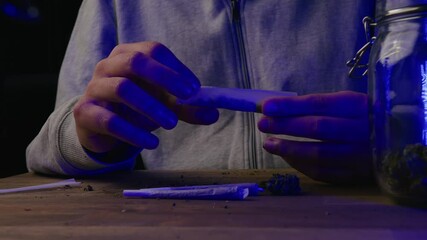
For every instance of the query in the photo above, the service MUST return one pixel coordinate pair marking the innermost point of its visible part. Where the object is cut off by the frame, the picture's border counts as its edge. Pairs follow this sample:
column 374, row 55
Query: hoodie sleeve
column 56, row 149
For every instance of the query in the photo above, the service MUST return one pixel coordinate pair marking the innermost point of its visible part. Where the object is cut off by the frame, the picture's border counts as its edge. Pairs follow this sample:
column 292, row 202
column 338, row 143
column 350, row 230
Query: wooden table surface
column 322, row 212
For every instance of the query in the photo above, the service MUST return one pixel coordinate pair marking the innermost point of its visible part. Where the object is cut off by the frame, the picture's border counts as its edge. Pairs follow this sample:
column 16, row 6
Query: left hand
column 339, row 120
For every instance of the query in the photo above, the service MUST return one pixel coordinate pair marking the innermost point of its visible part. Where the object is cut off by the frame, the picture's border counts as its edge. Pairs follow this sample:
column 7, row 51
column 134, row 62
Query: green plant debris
column 406, row 172
column 283, row 185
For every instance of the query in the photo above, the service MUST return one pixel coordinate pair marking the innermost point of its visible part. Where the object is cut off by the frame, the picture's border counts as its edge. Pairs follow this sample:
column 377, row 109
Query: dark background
column 33, row 38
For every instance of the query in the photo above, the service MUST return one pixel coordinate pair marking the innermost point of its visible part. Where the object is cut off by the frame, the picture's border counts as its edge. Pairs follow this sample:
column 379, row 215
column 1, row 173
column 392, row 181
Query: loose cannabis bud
column 283, row 185
column 406, row 172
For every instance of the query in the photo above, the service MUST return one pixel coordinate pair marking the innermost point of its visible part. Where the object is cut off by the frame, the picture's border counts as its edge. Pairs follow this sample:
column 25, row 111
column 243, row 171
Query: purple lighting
column 17, row 12
column 424, row 99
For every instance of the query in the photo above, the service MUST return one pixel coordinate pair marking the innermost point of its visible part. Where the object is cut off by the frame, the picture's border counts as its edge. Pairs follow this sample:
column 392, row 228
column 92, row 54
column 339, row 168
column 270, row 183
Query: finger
column 133, row 117
column 97, row 119
column 160, row 53
column 140, row 68
column 341, row 104
column 196, row 115
column 333, row 163
column 319, row 154
column 318, row 127
column 191, row 114
column 123, row 90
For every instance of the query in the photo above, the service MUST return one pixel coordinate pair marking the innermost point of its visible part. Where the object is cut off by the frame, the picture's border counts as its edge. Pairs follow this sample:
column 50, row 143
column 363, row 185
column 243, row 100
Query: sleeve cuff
column 77, row 161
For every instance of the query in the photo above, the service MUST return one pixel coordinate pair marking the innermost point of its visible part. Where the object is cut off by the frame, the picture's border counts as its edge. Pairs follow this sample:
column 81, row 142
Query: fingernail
column 190, row 89
column 168, row 121
column 171, row 123
column 152, row 142
column 269, row 144
column 195, row 86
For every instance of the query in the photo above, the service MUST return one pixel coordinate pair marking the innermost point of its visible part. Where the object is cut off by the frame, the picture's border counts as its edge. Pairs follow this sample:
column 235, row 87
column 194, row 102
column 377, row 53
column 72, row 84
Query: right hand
column 340, row 121
column 133, row 92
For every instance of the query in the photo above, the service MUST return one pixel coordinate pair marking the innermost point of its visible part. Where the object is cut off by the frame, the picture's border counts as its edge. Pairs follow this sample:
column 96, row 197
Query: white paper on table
column 69, row 182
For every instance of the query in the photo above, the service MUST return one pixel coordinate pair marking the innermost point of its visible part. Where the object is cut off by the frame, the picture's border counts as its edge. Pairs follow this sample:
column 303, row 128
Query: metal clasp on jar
column 354, row 63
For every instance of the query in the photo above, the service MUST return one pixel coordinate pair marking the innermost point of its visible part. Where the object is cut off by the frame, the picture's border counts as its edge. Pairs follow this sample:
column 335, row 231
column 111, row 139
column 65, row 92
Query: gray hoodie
column 290, row 45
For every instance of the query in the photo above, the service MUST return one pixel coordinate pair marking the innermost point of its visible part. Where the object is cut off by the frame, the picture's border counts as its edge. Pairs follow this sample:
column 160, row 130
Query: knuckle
column 134, row 60
column 152, row 44
column 106, row 122
column 101, row 67
column 358, row 101
column 91, row 89
column 156, row 49
column 119, row 49
column 79, row 109
column 120, row 87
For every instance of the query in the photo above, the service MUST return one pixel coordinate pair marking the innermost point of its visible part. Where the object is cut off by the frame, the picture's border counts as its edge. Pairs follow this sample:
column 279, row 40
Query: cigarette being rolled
column 246, row 100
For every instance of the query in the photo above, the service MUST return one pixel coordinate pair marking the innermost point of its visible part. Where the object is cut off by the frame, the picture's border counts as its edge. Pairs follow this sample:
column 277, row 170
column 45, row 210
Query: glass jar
column 397, row 75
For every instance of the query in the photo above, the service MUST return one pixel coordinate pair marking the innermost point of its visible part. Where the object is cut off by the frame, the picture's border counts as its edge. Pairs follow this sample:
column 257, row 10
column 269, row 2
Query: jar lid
column 386, row 9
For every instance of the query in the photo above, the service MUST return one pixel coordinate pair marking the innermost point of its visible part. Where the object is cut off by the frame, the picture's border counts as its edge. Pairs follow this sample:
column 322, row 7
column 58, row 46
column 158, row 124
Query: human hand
column 339, row 120
column 133, row 92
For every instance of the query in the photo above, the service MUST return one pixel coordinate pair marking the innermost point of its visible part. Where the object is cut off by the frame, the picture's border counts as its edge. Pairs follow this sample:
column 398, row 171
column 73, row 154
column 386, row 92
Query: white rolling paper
column 246, row 100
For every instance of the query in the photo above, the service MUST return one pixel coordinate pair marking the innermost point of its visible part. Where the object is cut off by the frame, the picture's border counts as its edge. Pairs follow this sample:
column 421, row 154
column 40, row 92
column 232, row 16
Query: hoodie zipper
column 250, row 118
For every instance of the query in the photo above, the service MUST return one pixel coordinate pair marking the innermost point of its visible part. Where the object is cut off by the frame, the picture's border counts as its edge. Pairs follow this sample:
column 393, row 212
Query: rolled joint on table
column 207, row 192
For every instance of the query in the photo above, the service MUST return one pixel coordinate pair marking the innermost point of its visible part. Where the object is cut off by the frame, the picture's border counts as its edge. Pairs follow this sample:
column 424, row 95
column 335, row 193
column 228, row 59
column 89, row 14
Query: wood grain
column 322, row 212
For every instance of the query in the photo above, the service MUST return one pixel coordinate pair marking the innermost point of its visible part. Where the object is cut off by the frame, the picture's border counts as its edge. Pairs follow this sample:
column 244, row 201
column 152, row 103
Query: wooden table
column 322, row 212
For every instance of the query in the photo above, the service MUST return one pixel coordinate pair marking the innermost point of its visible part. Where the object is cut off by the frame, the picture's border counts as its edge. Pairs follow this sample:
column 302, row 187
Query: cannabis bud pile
column 406, row 172
column 287, row 184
